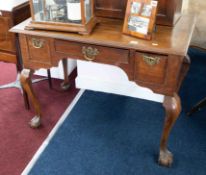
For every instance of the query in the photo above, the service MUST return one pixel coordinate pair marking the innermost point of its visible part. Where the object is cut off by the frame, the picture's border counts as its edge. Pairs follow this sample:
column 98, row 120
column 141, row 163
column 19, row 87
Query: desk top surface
column 166, row 40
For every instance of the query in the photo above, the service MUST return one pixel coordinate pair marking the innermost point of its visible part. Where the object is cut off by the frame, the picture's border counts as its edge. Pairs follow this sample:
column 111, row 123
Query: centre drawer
column 90, row 52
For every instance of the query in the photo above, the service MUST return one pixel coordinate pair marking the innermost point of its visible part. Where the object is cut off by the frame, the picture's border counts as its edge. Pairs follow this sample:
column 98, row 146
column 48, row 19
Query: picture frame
column 140, row 18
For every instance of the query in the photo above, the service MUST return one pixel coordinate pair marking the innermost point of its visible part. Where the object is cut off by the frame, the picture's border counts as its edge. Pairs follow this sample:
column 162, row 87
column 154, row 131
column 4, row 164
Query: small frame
column 140, row 18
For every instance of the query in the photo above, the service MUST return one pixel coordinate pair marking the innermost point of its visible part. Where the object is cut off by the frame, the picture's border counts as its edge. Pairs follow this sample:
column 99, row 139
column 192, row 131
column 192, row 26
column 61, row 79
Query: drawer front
column 6, row 38
column 150, row 68
column 39, row 49
column 90, row 52
column 4, row 25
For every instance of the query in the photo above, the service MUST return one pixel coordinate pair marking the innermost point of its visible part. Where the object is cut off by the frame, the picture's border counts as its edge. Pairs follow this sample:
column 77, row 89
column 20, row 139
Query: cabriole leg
column 172, row 107
column 25, row 79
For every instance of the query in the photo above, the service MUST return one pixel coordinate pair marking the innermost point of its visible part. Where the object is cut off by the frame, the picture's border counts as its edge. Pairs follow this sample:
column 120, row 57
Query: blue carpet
column 108, row 134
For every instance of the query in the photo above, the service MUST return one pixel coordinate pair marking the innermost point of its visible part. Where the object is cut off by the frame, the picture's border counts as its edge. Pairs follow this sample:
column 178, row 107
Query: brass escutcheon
column 151, row 60
column 89, row 53
column 37, row 43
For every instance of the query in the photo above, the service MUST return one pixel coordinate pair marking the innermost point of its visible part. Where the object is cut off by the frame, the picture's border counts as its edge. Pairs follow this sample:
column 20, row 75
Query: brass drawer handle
column 37, row 43
column 151, row 60
column 89, row 53
column 1, row 13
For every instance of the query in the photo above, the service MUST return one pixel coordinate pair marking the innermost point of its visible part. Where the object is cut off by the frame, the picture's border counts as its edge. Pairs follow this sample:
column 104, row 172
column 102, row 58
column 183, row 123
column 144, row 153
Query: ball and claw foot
column 65, row 86
column 35, row 122
column 165, row 158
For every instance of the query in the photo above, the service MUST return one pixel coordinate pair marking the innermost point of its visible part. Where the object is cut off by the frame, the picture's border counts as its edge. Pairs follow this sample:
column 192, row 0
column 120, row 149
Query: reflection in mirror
column 66, row 11
column 74, row 11
column 88, row 10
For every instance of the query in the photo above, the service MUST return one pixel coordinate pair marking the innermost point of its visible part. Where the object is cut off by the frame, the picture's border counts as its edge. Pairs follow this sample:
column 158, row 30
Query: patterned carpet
column 18, row 141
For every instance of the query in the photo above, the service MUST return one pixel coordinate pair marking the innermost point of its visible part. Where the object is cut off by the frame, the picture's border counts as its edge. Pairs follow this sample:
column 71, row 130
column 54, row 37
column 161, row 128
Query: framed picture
column 140, row 18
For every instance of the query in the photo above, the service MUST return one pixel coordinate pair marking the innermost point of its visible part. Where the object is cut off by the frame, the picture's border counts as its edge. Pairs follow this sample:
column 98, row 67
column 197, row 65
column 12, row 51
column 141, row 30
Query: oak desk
column 159, row 64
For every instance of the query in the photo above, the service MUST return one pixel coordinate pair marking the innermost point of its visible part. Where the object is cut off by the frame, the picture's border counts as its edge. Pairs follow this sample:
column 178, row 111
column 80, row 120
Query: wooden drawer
column 4, row 25
column 107, row 55
column 150, row 68
column 6, row 38
column 39, row 49
column 20, row 11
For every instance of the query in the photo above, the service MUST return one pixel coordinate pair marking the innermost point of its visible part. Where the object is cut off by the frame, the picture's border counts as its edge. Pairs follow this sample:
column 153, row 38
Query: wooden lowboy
column 159, row 64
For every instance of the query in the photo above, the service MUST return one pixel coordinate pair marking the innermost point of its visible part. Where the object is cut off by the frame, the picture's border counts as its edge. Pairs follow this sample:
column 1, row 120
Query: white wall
column 57, row 72
column 185, row 5
column 110, row 79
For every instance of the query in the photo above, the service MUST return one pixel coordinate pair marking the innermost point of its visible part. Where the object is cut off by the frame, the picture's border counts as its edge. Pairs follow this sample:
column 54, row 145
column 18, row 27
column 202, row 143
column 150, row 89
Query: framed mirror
column 168, row 13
